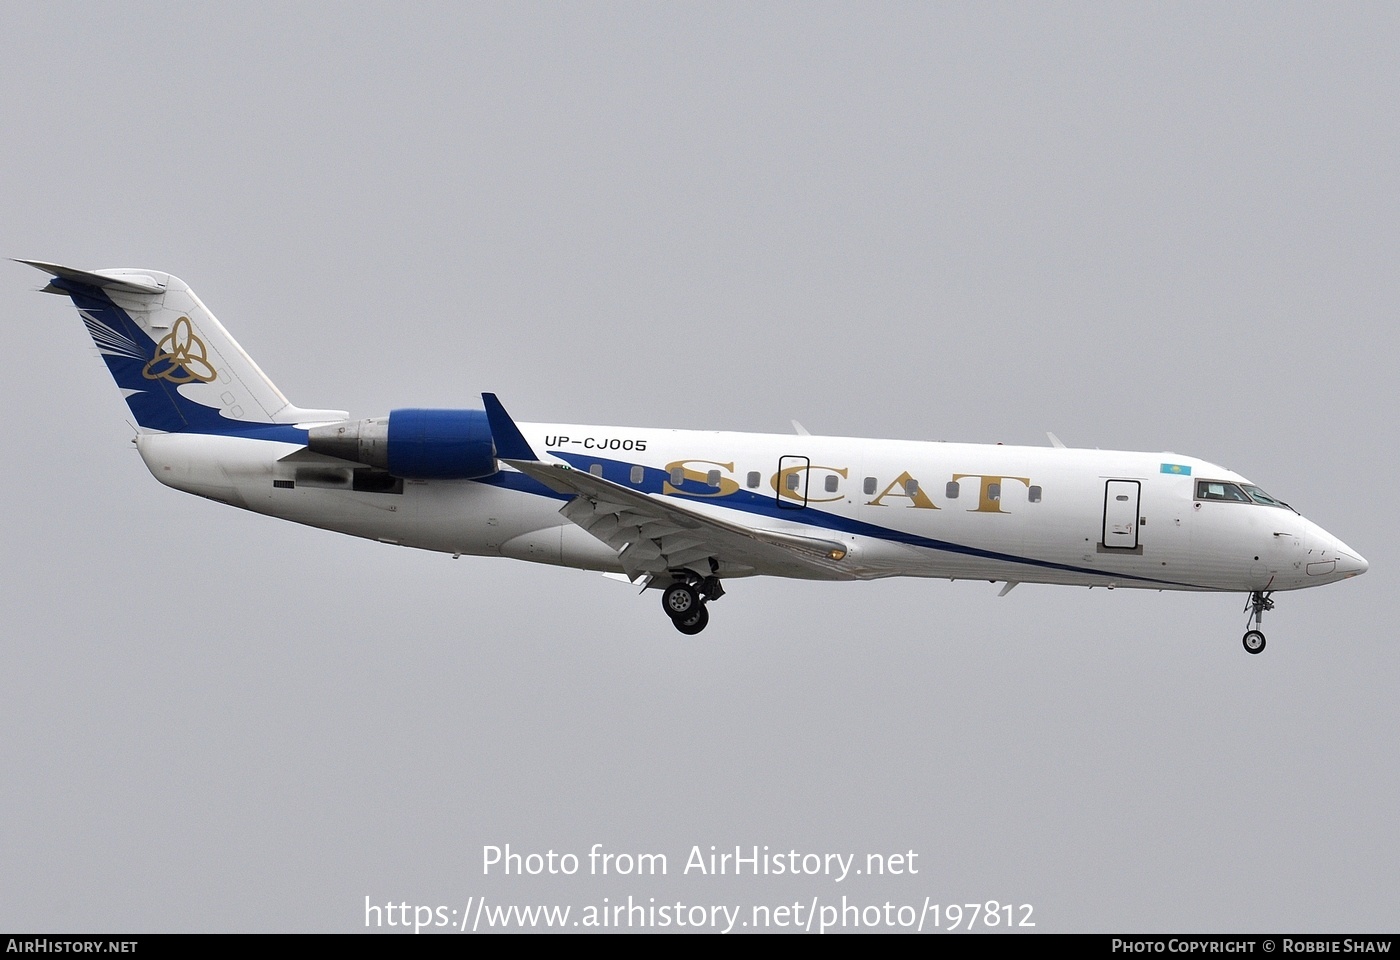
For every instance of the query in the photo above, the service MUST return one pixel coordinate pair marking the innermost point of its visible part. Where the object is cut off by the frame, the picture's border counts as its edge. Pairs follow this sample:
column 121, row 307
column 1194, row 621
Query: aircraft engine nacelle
column 414, row 444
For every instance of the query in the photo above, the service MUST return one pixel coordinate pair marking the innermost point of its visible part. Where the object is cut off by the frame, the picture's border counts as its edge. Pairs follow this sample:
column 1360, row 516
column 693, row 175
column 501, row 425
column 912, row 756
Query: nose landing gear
column 1259, row 601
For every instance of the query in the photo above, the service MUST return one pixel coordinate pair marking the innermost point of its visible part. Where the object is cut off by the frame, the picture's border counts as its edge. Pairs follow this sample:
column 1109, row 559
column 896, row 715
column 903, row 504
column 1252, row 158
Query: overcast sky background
column 1158, row 227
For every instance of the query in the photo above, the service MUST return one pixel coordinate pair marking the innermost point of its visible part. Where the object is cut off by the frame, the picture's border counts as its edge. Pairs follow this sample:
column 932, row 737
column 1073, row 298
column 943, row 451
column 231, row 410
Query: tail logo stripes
column 111, row 343
column 181, row 357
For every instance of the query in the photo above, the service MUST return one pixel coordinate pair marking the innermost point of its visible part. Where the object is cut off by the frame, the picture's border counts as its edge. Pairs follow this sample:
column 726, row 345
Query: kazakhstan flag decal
column 1178, row 468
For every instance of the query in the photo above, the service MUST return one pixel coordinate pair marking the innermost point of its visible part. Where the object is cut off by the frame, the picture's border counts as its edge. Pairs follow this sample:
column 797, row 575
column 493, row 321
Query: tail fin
column 175, row 363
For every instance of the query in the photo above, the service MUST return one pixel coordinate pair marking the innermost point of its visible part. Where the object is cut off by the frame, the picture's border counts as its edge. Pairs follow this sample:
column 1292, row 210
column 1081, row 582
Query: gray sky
column 1140, row 226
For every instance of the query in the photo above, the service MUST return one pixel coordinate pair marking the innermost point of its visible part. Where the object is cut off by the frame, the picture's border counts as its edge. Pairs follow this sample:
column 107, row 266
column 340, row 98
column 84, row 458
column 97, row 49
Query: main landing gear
column 685, row 602
column 1258, row 602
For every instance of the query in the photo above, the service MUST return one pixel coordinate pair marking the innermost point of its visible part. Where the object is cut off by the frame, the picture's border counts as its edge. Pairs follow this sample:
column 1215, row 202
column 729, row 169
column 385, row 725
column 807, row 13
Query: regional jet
column 680, row 511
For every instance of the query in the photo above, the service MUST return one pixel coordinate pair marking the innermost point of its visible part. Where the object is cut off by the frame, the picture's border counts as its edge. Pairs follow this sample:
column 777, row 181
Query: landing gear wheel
column 1259, row 603
column 693, row 623
column 680, row 601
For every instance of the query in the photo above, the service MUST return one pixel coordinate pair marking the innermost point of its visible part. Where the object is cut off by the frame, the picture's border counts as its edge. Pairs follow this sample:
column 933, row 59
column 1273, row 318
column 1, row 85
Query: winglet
column 510, row 443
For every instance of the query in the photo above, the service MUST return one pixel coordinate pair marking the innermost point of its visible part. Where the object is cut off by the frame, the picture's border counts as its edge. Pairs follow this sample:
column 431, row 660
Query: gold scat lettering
column 899, row 490
column 688, row 477
column 990, row 494
column 779, row 483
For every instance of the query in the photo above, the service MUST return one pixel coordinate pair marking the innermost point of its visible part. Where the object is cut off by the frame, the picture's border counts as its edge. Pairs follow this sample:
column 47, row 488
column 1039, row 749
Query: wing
column 654, row 534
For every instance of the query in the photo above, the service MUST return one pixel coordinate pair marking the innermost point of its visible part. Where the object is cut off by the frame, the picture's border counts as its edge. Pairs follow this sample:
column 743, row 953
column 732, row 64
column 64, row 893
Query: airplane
column 683, row 511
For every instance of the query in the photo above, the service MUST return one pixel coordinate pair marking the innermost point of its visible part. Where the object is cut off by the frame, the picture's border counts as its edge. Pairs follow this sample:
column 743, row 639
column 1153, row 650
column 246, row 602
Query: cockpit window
column 1220, row 490
column 1259, row 496
column 1236, row 493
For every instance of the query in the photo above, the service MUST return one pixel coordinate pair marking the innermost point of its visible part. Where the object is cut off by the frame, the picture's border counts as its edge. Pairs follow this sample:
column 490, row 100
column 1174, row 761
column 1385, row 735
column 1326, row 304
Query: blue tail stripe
column 157, row 404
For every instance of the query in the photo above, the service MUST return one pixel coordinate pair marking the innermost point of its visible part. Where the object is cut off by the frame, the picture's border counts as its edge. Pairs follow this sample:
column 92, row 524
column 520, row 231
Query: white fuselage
column 901, row 508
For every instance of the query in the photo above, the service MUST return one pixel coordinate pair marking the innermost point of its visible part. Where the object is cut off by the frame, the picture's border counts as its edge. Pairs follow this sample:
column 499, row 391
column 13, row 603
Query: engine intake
column 413, row 443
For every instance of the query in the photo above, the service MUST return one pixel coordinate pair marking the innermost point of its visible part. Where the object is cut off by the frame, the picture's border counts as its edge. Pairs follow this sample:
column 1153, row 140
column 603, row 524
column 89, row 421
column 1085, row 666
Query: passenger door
column 1120, row 514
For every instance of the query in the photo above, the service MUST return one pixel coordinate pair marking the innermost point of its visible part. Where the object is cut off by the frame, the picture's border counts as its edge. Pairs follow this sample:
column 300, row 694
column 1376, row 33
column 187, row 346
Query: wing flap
column 655, row 534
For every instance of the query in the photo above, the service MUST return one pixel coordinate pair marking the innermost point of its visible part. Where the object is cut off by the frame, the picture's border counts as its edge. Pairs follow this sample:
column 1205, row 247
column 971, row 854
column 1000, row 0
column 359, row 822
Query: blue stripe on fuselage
column 653, row 481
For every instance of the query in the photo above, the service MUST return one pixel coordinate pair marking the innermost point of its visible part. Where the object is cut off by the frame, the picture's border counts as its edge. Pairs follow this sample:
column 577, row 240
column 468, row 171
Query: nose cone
column 1349, row 562
column 1331, row 559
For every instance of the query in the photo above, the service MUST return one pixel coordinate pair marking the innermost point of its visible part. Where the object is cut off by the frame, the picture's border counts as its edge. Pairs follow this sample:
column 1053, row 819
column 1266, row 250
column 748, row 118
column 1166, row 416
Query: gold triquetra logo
column 180, row 357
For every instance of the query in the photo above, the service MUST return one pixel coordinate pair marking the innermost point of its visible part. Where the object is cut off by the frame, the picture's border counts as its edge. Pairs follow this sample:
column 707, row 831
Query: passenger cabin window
column 639, row 473
column 994, row 492
column 952, row 491
column 869, row 485
column 596, row 469
column 911, row 488
column 831, row 483
column 792, row 480
column 677, row 477
column 1220, row 490
column 753, row 480
column 1033, row 494
column 712, row 478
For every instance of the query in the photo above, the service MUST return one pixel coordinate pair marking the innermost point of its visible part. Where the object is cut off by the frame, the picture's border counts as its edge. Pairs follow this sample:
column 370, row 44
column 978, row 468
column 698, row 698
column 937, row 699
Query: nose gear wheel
column 1259, row 602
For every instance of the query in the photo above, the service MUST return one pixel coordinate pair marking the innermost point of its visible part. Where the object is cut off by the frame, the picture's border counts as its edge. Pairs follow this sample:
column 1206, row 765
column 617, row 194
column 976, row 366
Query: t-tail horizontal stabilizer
column 127, row 281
